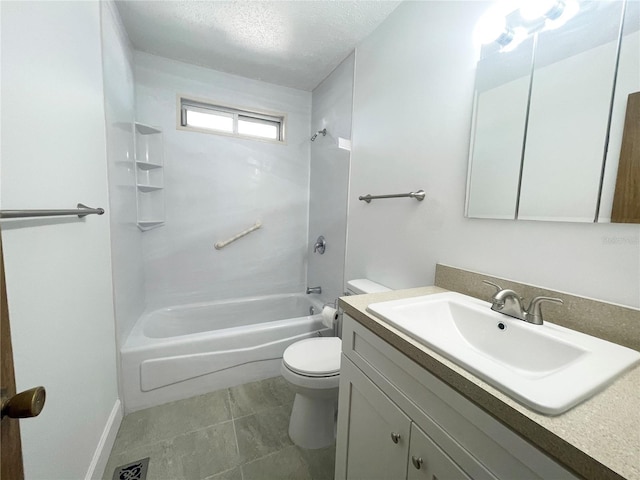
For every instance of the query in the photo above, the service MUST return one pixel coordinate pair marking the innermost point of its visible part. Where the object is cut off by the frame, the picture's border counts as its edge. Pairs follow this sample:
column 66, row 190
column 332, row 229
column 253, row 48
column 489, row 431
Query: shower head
column 323, row 132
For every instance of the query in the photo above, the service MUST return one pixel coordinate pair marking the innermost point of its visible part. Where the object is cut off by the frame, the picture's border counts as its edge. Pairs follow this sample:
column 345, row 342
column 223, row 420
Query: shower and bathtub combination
column 186, row 350
column 183, row 350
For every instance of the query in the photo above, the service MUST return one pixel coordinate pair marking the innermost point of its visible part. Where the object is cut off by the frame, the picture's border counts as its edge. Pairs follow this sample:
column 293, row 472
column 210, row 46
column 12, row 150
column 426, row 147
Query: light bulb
column 571, row 7
column 535, row 9
column 517, row 37
column 490, row 27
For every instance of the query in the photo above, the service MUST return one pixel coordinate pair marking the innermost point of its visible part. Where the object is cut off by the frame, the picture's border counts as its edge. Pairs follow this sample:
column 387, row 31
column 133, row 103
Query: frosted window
column 209, row 121
column 258, row 129
column 202, row 116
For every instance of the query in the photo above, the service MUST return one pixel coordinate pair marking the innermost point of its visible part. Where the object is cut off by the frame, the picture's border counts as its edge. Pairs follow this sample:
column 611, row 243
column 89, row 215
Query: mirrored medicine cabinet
column 549, row 120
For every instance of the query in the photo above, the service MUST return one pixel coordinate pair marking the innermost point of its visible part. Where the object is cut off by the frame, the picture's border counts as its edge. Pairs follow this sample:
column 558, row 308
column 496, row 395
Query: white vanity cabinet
column 397, row 421
column 427, row 460
column 382, row 441
column 379, row 431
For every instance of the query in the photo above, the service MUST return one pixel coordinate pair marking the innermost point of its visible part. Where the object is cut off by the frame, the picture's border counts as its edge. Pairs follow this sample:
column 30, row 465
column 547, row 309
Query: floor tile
column 263, row 433
column 233, row 474
column 255, row 397
column 207, row 452
column 321, row 462
column 166, row 421
column 286, row 464
column 197, row 439
column 163, row 464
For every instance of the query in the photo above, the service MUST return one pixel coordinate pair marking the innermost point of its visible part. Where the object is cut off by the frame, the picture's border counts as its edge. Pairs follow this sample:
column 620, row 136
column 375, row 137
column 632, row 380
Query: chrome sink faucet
column 509, row 303
column 506, row 301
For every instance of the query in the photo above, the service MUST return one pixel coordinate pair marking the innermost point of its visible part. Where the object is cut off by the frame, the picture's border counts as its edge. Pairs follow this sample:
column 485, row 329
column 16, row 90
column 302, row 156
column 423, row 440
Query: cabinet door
column 377, row 437
column 428, row 461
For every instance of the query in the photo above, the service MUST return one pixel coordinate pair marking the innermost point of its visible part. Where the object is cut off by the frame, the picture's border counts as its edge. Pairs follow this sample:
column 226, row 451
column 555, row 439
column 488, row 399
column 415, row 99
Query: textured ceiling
column 291, row 43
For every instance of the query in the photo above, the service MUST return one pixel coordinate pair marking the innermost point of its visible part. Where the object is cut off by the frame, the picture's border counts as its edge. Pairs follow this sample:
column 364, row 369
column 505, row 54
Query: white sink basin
column 546, row 367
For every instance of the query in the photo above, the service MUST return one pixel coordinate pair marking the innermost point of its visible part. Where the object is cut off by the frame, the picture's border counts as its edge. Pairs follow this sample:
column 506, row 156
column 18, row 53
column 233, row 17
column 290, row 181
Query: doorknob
column 25, row 404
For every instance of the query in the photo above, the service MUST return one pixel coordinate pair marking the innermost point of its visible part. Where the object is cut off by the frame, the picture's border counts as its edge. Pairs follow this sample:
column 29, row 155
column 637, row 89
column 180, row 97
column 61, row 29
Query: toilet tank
column 363, row 285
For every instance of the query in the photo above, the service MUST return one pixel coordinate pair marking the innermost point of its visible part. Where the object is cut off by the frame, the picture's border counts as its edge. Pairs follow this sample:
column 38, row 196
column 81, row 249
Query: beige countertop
column 598, row 439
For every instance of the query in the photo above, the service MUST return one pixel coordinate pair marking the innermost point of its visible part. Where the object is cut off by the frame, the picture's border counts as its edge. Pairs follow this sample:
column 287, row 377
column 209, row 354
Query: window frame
column 238, row 113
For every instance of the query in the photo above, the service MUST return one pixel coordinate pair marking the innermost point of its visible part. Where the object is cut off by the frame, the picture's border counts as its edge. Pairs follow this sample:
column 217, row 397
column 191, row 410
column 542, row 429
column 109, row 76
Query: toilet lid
column 314, row 357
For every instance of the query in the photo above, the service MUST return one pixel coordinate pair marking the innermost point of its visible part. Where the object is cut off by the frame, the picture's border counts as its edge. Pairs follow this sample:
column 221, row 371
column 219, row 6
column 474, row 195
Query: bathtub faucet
column 317, row 290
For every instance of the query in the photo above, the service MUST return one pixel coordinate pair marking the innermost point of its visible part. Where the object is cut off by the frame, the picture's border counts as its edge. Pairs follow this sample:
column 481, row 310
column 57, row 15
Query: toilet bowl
column 312, row 367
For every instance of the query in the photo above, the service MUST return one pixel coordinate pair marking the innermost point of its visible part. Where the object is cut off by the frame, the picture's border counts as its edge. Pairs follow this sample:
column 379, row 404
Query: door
column 13, row 406
column 10, row 445
column 378, row 434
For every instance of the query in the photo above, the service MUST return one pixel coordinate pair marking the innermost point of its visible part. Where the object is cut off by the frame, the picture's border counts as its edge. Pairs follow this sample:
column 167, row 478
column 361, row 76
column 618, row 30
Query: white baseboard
column 107, row 439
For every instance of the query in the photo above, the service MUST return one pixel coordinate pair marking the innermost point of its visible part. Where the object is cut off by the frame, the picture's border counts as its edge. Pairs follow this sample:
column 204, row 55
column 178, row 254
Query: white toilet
column 312, row 367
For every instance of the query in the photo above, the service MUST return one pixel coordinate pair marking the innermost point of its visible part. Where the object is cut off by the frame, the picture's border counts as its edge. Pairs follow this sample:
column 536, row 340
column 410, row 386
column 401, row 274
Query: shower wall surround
column 217, row 186
column 332, row 104
column 411, row 125
column 126, row 238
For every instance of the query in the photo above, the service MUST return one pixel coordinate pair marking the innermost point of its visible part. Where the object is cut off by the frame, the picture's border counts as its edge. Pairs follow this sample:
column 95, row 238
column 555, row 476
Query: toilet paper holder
column 337, row 330
column 333, row 304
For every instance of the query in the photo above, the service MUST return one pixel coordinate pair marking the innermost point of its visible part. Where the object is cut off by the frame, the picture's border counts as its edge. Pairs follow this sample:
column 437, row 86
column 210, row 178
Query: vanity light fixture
column 535, row 9
column 492, row 27
column 510, row 29
column 569, row 11
column 518, row 36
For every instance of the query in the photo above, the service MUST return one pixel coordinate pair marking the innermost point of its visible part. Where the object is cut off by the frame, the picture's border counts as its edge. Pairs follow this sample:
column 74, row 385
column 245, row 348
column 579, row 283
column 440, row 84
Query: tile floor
column 238, row 433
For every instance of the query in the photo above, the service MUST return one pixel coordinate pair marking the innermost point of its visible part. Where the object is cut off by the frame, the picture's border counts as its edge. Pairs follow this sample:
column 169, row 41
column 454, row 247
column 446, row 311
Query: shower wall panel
column 126, row 238
column 217, row 186
column 331, row 109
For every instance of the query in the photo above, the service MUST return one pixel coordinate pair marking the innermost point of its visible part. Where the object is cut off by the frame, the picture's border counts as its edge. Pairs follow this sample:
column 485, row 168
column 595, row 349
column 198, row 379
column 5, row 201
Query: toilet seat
column 314, row 357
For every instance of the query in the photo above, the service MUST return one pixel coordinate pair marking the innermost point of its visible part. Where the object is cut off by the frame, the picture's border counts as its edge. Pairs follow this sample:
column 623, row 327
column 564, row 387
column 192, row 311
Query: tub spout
column 314, row 290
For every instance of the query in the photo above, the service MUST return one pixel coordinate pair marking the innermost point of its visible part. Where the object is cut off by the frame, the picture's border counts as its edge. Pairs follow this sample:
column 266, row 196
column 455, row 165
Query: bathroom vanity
column 407, row 412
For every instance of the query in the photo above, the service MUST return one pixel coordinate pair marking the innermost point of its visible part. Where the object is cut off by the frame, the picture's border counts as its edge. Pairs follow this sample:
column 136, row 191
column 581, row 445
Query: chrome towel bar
column 419, row 195
column 81, row 211
column 221, row 245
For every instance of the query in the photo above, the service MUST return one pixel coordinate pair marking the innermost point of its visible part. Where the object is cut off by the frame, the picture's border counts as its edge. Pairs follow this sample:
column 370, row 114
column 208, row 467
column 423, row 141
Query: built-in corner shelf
column 149, row 176
column 147, row 165
column 149, row 224
column 143, row 129
column 148, row 188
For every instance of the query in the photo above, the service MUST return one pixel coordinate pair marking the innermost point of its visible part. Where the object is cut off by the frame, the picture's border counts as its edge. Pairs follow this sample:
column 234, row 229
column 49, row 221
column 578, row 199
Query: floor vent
column 132, row 471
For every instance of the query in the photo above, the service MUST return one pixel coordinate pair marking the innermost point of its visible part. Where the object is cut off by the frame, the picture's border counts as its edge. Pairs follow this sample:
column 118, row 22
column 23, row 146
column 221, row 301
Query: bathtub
column 181, row 351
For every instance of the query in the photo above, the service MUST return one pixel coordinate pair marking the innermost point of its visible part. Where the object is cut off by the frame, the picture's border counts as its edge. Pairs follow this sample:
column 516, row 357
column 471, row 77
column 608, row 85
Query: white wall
column 411, row 124
column 126, row 238
column 58, row 270
column 217, row 186
column 331, row 109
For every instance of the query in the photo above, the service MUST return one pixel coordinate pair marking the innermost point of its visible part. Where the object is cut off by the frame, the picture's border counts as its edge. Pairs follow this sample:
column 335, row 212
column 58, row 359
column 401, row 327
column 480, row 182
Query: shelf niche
column 149, row 176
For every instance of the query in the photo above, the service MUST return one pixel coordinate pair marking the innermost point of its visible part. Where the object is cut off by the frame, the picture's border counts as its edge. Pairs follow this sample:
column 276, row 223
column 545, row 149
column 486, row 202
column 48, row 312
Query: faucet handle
column 320, row 245
column 534, row 312
column 497, row 287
